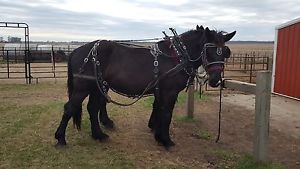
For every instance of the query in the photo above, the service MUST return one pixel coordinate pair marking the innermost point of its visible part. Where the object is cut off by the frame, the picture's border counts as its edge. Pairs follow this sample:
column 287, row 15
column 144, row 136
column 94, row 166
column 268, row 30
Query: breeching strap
column 152, row 84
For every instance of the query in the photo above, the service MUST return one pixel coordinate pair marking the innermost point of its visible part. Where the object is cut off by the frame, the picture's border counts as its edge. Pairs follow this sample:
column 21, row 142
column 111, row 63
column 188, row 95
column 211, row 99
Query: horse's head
column 214, row 53
column 207, row 48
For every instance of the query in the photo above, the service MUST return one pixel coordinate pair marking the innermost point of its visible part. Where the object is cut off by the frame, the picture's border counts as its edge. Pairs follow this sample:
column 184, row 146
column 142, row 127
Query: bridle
column 203, row 56
column 181, row 51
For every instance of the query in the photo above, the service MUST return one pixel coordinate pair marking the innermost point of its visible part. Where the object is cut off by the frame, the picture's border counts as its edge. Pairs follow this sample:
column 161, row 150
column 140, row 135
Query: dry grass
column 30, row 115
column 247, row 47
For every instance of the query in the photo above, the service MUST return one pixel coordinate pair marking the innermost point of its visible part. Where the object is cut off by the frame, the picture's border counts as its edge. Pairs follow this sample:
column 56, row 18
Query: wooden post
column 190, row 102
column 262, row 115
column 251, row 69
column 7, row 63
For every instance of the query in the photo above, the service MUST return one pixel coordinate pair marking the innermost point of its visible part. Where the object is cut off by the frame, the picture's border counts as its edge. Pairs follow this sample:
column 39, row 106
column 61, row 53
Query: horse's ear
column 228, row 36
column 199, row 27
column 208, row 34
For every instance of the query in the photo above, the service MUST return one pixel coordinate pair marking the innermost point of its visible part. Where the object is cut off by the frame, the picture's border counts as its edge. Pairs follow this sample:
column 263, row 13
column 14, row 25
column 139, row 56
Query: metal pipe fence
column 50, row 62
column 46, row 63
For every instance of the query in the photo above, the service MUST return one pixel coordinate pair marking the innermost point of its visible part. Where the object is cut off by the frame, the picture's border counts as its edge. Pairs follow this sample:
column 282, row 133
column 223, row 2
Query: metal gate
column 27, row 59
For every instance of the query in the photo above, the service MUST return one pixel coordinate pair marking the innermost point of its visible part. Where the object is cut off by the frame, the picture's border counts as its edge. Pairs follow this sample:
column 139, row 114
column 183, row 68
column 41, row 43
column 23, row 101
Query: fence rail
column 50, row 62
column 244, row 66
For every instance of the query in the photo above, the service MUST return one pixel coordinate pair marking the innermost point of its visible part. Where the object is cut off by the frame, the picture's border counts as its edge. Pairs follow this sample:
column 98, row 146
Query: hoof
column 61, row 144
column 61, row 141
column 101, row 137
column 166, row 142
column 109, row 124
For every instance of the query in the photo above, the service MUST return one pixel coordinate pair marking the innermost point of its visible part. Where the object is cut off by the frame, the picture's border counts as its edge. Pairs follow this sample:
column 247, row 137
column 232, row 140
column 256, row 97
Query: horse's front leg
column 153, row 118
column 166, row 105
column 104, row 119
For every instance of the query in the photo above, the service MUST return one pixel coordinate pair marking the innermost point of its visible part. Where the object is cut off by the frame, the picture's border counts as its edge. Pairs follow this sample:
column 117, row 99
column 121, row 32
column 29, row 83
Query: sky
column 87, row 20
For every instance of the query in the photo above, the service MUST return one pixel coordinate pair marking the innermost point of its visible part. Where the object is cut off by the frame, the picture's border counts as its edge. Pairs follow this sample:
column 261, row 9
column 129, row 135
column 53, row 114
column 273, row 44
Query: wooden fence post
column 262, row 115
column 190, row 102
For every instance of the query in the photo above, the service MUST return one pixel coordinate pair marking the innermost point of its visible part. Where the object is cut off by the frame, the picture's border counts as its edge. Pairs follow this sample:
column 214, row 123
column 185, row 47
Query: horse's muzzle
column 214, row 72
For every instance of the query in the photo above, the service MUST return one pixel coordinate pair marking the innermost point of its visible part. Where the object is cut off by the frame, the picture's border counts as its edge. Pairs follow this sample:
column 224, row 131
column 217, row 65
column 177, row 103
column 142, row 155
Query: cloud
column 135, row 19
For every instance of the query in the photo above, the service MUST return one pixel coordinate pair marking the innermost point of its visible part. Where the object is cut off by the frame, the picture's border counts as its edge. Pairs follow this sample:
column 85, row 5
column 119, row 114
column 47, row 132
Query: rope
column 220, row 103
column 220, row 109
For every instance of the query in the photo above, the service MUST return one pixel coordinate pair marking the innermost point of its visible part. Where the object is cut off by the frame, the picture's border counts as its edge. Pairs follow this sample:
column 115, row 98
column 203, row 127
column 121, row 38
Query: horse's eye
column 227, row 52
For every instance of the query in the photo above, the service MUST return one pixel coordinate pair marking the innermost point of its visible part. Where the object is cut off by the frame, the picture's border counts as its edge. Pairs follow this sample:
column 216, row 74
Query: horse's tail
column 75, row 114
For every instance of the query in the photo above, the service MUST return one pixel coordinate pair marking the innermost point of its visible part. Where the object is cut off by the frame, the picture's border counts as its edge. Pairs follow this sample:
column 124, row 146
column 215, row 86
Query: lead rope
column 220, row 110
column 220, row 103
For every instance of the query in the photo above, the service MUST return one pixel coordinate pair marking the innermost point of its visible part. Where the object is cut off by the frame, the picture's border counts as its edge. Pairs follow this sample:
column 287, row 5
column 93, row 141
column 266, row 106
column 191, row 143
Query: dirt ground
column 284, row 125
column 237, row 133
column 195, row 139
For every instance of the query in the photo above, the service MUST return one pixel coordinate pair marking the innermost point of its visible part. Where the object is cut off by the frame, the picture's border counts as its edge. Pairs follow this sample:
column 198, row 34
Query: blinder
column 214, row 65
column 227, row 52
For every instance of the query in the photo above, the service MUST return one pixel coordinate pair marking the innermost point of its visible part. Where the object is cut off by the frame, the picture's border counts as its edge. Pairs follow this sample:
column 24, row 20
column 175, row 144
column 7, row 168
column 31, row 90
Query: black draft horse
column 129, row 70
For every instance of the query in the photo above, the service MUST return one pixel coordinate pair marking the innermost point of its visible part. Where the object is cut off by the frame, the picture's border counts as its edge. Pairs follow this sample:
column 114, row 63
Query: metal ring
column 94, row 52
column 86, row 59
column 155, row 63
column 219, row 51
column 97, row 63
column 93, row 59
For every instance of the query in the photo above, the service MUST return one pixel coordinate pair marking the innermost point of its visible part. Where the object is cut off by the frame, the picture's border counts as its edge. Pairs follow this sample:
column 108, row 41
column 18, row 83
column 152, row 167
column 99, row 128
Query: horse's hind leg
column 104, row 119
column 73, row 106
column 93, row 107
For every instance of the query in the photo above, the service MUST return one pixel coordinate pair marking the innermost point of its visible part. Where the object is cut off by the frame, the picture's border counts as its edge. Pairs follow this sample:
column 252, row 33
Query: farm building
column 286, row 69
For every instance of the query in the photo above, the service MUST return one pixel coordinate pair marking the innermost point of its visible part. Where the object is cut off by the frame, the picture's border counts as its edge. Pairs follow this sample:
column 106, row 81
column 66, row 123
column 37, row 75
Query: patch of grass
column 117, row 160
column 181, row 99
column 224, row 159
column 184, row 119
column 147, row 102
column 25, row 116
column 225, row 155
column 14, row 87
column 169, row 167
column 229, row 160
column 247, row 162
column 39, row 155
column 205, row 135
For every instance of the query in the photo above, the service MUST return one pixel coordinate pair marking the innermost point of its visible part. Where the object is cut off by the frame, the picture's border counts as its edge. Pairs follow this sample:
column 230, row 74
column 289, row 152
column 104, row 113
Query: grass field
column 29, row 115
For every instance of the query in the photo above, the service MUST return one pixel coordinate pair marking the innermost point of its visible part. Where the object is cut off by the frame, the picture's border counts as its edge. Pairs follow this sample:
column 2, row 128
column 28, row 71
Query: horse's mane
column 217, row 34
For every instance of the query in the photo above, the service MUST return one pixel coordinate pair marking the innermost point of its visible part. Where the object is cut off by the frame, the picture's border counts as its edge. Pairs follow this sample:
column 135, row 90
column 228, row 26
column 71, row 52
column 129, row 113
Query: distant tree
column 14, row 39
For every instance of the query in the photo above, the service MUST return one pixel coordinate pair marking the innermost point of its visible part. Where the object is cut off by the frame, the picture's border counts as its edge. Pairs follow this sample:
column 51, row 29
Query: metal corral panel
column 287, row 60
